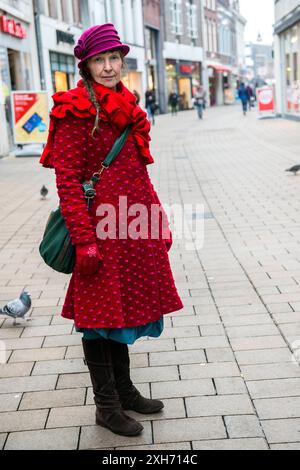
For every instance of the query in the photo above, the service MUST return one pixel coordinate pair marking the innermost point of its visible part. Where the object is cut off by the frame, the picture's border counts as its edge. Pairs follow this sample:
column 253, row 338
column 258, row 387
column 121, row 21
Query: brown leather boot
column 130, row 397
column 109, row 413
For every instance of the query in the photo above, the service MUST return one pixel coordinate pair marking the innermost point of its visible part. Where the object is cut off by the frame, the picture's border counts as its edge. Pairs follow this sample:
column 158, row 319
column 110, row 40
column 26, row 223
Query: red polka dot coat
column 134, row 285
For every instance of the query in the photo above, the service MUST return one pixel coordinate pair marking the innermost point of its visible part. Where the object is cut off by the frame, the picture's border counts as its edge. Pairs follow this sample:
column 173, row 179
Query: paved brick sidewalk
column 223, row 364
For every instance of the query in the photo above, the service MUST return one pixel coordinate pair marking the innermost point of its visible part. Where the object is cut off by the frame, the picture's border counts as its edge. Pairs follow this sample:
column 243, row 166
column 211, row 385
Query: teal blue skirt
column 124, row 335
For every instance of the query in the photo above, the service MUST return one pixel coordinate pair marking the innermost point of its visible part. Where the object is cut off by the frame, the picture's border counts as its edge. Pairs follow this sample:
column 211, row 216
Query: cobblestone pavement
column 226, row 365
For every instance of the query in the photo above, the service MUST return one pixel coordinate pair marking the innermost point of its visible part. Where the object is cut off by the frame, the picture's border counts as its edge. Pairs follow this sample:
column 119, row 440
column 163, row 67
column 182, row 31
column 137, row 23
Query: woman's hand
column 88, row 259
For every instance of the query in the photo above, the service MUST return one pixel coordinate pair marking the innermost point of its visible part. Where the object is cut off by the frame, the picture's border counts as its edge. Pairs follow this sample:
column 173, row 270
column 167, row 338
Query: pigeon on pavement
column 44, row 191
column 294, row 169
column 17, row 308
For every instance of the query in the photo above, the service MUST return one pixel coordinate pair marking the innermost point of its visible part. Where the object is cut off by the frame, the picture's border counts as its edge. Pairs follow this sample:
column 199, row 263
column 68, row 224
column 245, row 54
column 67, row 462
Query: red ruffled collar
column 118, row 107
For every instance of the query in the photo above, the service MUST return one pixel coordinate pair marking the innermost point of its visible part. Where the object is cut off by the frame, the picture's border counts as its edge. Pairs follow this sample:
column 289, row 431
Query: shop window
column 63, row 70
column 288, row 70
column 295, row 68
column 61, row 82
column 70, row 64
column 54, row 61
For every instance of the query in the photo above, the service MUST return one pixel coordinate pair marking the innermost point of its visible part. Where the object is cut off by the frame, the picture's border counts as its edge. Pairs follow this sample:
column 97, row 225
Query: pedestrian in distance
column 122, row 284
column 251, row 96
column 150, row 102
column 244, row 97
column 138, row 98
column 199, row 101
column 173, row 102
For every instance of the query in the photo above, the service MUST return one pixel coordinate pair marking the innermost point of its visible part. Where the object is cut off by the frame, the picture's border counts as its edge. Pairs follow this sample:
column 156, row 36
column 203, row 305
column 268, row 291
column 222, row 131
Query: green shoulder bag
column 56, row 247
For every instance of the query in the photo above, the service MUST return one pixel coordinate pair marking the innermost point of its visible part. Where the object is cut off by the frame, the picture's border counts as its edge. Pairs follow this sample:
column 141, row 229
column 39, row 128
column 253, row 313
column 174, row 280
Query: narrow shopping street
column 227, row 365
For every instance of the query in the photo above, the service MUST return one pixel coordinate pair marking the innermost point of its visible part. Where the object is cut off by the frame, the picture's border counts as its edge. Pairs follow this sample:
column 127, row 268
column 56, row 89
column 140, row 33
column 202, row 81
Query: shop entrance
column 60, row 81
column 15, row 69
column 62, row 71
column 213, row 89
column 185, row 93
column 133, row 81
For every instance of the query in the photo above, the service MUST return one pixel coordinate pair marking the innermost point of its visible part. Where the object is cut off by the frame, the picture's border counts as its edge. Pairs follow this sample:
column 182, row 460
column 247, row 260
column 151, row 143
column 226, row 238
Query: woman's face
column 106, row 68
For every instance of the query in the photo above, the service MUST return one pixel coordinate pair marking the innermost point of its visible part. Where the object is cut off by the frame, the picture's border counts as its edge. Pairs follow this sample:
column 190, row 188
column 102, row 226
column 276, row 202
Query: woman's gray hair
column 87, row 81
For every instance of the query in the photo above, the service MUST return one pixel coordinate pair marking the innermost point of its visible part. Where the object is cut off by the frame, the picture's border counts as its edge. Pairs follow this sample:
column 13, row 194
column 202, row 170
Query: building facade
column 240, row 24
column 259, row 63
column 287, row 57
column 183, row 48
column 153, row 30
column 18, row 60
column 58, row 23
column 224, row 49
column 127, row 16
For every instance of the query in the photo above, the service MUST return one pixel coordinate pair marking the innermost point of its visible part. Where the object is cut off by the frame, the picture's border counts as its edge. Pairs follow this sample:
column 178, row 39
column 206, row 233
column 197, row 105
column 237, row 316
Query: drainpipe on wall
column 39, row 44
column 161, row 76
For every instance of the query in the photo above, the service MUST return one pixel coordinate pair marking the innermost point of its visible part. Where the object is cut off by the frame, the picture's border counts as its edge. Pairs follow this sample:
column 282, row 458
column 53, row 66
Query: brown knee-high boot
column 109, row 413
column 130, row 397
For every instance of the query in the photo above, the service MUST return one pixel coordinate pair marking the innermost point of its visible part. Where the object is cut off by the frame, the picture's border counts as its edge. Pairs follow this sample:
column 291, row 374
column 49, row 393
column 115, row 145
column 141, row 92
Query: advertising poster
column 30, row 116
column 265, row 102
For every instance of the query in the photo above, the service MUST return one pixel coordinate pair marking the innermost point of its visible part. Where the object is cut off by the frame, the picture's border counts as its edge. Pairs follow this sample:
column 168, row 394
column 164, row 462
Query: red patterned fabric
column 134, row 285
column 119, row 109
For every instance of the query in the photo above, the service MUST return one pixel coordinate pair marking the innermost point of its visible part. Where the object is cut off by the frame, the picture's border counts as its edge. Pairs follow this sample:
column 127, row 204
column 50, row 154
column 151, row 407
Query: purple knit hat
column 98, row 39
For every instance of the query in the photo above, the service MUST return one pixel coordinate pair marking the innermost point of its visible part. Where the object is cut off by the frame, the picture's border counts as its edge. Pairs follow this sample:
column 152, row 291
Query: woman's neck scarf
column 118, row 108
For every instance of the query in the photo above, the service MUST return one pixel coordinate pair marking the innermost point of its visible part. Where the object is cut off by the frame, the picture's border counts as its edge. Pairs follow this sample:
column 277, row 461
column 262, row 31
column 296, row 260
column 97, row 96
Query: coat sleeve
column 168, row 236
column 69, row 160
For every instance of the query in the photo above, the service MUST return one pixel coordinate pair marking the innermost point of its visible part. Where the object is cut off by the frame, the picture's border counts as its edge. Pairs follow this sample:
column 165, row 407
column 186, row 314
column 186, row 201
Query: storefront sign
column 265, row 102
column 9, row 26
column 30, row 116
column 186, row 69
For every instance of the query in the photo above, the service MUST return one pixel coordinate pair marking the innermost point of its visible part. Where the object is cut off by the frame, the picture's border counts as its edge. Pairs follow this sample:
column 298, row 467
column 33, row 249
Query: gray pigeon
column 44, row 191
column 17, row 308
column 294, row 169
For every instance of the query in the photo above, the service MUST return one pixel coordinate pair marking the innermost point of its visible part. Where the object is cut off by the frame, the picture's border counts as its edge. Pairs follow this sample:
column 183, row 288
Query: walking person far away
column 173, row 102
column 122, row 284
column 244, row 96
column 251, row 98
column 150, row 103
column 199, row 101
column 138, row 98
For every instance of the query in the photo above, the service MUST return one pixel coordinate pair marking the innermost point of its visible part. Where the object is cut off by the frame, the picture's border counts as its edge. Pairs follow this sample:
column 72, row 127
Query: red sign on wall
column 187, row 68
column 9, row 26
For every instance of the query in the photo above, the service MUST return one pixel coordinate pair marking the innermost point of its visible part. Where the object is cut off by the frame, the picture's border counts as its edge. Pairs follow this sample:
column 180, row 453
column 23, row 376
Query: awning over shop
column 219, row 68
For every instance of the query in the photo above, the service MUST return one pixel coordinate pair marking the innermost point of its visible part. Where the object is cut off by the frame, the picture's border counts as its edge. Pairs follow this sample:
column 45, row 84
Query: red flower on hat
column 79, row 49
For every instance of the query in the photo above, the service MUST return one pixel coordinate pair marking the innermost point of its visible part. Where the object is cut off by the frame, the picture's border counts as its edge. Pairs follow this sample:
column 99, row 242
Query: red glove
column 88, row 259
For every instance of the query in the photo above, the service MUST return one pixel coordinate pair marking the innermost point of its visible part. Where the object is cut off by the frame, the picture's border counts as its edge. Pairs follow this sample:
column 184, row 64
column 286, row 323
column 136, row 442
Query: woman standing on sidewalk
column 121, row 286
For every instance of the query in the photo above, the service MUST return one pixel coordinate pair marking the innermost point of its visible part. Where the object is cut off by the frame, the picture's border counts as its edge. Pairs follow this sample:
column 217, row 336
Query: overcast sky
column 260, row 17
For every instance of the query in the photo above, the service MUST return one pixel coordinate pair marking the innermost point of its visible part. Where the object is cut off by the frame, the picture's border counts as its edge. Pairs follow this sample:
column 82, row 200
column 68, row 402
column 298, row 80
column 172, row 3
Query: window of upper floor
column 192, row 18
column 176, row 17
